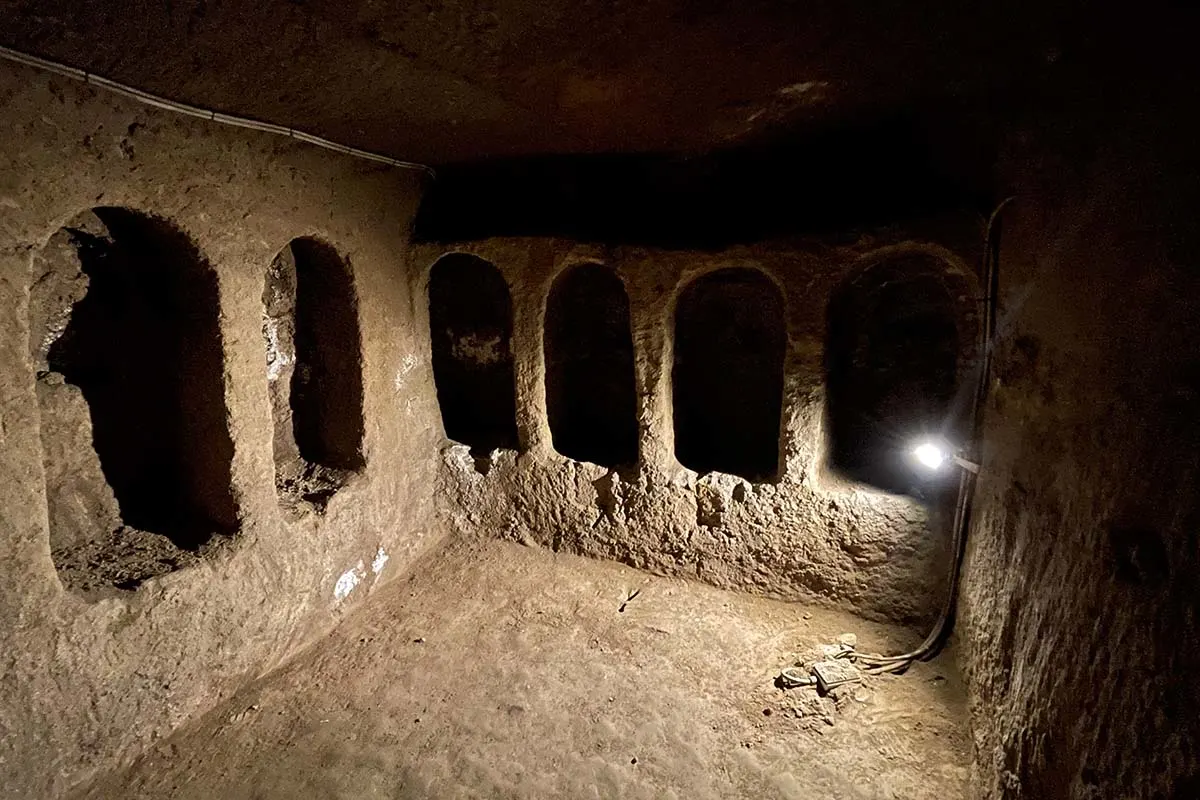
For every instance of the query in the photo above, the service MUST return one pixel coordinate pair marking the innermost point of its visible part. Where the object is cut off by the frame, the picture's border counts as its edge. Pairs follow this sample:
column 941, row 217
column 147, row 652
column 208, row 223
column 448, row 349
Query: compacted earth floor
column 502, row 671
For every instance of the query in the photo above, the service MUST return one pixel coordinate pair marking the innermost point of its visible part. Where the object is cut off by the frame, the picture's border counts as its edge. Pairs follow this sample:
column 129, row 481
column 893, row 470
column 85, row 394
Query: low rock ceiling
column 455, row 81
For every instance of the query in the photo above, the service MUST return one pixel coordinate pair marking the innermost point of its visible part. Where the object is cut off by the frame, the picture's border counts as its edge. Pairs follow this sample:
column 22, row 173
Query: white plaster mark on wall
column 349, row 579
column 458, row 458
column 407, row 365
column 56, row 327
column 71, row 291
column 380, row 561
column 277, row 357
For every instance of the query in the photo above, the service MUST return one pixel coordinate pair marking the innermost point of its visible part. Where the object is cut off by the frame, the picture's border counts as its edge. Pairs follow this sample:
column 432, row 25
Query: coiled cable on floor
column 163, row 103
column 877, row 664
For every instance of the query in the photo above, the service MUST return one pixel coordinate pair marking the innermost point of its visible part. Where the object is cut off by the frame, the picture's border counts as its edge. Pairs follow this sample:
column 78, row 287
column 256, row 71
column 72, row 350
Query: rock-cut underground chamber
column 124, row 321
column 734, row 268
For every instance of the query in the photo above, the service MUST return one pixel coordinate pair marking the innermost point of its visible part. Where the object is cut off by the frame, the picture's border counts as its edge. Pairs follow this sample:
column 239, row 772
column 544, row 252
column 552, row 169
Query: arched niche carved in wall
column 125, row 336
column 470, row 320
column 730, row 341
column 591, row 396
column 314, row 371
column 895, row 337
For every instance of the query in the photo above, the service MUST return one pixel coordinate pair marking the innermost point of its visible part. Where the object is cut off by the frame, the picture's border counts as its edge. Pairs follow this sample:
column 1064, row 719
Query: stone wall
column 802, row 534
column 91, row 673
column 1080, row 639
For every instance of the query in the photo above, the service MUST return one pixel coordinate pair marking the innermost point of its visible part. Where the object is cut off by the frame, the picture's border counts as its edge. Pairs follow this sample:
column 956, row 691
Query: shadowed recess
column 326, row 392
column 144, row 347
column 730, row 340
column 591, row 399
column 314, row 370
column 891, row 363
column 869, row 172
column 470, row 320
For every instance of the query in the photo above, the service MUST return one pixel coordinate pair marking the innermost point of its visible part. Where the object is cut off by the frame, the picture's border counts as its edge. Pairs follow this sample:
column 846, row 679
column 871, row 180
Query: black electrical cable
column 875, row 664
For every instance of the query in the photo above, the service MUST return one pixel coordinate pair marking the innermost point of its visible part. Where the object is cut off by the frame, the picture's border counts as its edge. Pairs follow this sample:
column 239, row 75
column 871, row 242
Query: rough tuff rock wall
column 1079, row 632
column 806, row 534
column 87, row 681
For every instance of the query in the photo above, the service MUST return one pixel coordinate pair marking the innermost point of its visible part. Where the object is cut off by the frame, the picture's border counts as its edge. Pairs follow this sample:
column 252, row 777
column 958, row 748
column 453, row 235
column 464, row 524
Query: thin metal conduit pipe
column 154, row 100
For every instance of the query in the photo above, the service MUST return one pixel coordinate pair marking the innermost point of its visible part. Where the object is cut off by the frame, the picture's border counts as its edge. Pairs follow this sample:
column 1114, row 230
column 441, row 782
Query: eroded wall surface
column 1080, row 638
column 806, row 534
column 86, row 680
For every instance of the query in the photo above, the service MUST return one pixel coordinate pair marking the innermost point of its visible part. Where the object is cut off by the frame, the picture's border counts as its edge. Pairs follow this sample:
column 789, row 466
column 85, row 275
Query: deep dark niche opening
column 326, row 391
column 144, row 347
column 730, row 339
column 591, row 399
column 874, row 169
column 314, row 370
column 470, row 320
column 891, row 363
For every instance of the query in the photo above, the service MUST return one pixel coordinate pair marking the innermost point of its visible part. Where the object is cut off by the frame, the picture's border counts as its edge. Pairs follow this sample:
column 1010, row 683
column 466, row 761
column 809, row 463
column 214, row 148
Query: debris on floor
column 830, row 674
column 830, row 666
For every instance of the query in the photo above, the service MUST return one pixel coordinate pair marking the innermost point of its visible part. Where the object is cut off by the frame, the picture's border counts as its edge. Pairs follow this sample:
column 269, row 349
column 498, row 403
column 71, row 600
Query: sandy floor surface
column 501, row 671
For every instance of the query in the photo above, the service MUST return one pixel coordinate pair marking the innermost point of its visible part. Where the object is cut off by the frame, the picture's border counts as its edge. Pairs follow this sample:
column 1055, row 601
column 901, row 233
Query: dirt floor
column 499, row 670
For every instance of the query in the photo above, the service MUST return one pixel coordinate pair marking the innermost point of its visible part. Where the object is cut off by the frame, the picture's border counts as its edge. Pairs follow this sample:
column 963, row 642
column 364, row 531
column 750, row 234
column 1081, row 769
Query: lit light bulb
column 929, row 455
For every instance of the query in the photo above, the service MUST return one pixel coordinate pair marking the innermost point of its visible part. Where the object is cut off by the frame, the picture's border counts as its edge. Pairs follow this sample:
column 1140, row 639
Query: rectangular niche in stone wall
column 125, row 336
column 727, row 381
column 470, row 325
column 314, row 373
column 591, row 398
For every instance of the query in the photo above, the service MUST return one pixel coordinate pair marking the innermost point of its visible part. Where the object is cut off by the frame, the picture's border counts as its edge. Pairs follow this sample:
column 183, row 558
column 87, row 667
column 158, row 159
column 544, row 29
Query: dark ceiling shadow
column 883, row 171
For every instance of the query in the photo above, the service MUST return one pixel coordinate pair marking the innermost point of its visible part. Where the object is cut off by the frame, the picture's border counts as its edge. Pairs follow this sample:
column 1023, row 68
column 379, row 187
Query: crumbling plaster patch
column 806, row 535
